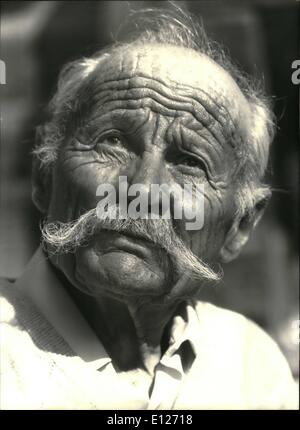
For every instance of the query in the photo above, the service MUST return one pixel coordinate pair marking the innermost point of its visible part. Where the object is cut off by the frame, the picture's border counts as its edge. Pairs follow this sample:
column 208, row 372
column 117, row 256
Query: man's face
column 157, row 115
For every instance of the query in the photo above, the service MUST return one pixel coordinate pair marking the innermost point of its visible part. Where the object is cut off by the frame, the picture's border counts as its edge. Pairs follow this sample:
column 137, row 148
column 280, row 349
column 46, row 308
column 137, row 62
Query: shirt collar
column 183, row 339
column 42, row 286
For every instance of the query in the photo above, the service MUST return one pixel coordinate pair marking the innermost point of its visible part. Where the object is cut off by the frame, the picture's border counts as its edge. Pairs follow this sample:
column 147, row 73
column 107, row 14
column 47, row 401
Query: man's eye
column 189, row 161
column 108, row 141
column 111, row 140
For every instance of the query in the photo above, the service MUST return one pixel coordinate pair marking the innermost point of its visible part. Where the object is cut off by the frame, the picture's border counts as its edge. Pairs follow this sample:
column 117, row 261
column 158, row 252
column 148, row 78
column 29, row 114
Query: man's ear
column 40, row 180
column 240, row 231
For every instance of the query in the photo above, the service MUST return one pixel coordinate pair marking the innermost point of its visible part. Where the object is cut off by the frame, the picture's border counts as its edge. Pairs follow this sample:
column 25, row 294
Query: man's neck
column 131, row 332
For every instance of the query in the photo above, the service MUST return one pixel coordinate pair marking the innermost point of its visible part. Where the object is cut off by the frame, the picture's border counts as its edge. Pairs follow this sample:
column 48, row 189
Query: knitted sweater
column 39, row 370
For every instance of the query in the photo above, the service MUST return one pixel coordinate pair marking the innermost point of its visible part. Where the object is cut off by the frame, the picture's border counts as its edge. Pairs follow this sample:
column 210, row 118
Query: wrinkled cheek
column 207, row 241
column 74, row 188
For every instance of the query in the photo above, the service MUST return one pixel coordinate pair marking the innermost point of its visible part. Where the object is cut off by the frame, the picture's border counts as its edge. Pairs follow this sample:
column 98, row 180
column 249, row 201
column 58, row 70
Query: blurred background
column 38, row 37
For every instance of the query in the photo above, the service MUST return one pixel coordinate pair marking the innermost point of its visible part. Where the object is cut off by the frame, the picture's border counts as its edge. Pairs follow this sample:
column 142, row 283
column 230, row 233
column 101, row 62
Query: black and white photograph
column 149, row 207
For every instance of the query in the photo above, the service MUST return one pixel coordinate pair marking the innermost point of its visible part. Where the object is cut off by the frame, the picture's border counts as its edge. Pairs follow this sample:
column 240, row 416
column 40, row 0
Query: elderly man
column 107, row 314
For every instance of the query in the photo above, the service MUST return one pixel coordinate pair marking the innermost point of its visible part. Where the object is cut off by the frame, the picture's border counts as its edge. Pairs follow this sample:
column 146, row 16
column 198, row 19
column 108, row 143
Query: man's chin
column 120, row 273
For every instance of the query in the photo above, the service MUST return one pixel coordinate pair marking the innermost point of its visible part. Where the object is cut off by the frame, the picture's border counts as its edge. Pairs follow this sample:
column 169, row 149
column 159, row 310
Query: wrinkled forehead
column 184, row 76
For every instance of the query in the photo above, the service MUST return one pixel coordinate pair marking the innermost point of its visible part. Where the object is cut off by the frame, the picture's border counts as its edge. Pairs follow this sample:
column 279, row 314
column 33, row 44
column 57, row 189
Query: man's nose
column 150, row 170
